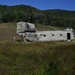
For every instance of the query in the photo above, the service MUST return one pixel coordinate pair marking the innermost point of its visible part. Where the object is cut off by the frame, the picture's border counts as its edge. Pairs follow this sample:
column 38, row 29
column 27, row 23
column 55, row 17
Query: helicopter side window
column 52, row 34
column 41, row 34
column 44, row 35
column 35, row 35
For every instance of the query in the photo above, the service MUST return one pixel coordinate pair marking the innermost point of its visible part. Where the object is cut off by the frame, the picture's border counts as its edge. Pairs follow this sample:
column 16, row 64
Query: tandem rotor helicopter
column 29, row 32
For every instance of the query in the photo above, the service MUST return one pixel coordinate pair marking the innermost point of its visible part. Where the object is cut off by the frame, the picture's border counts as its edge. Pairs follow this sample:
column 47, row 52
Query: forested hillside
column 62, row 18
column 55, row 17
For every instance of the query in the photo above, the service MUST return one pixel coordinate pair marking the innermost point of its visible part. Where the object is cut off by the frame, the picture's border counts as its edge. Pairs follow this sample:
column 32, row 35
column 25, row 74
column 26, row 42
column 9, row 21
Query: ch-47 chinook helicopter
column 29, row 32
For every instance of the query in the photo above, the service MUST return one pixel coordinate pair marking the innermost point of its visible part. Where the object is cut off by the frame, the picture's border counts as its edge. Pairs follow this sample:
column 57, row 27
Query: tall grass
column 37, row 58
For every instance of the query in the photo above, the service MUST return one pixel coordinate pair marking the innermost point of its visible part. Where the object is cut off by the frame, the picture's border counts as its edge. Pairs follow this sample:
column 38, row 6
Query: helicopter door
column 68, row 36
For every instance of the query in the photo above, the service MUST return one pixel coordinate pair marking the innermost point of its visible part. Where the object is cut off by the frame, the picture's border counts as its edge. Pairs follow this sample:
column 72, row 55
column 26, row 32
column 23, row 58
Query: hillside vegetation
column 62, row 18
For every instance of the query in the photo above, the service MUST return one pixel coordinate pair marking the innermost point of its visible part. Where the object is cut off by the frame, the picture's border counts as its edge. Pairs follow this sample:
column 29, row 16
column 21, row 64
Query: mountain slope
column 61, row 17
column 56, row 17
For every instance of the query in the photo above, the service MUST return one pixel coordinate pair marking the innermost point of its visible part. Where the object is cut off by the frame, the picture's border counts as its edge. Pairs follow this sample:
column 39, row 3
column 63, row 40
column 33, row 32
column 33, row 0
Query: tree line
column 62, row 18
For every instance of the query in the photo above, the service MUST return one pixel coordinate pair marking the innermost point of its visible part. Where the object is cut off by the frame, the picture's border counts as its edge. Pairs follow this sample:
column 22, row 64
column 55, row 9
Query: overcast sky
column 43, row 4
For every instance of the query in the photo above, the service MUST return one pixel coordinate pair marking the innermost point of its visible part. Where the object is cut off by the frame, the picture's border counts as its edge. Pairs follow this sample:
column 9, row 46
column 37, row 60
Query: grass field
column 7, row 30
column 34, row 58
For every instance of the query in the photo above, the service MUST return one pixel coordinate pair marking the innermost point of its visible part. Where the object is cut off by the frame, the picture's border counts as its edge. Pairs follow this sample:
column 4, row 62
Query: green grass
column 37, row 58
column 7, row 30
column 44, row 27
column 34, row 58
